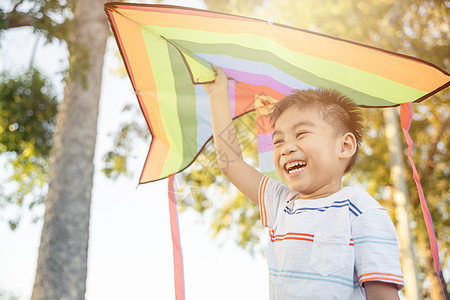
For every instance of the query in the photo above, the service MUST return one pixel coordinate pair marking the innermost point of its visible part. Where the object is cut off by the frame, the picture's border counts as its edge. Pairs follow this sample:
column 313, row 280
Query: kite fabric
column 176, row 242
column 168, row 52
column 406, row 114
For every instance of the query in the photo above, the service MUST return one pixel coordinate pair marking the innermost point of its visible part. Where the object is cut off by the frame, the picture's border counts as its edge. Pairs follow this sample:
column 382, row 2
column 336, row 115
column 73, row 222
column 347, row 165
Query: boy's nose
column 288, row 149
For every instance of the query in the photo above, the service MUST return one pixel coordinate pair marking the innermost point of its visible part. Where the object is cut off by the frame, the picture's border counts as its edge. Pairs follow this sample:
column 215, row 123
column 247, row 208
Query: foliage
column 235, row 6
column 27, row 123
column 232, row 212
column 116, row 160
column 52, row 18
column 29, row 105
column 6, row 295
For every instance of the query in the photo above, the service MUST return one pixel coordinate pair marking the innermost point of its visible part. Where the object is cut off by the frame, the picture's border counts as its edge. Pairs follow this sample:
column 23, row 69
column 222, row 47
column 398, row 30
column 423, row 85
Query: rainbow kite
column 168, row 52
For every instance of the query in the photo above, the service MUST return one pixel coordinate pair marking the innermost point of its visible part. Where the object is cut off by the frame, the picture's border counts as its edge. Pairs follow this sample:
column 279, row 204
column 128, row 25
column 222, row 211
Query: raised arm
column 229, row 154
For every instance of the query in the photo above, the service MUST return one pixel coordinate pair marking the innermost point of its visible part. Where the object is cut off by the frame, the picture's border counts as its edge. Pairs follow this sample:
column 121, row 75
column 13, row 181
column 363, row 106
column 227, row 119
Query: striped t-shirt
column 326, row 248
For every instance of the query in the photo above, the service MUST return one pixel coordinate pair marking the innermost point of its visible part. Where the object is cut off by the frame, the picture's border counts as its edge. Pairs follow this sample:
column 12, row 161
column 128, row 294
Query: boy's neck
column 322, row 192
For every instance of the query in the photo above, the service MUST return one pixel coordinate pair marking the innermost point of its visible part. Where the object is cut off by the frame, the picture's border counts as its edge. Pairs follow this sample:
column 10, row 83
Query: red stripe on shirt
column 292, row 236
column 375, row 276
column 295, row 236
column 375, row 273
column 380, row 278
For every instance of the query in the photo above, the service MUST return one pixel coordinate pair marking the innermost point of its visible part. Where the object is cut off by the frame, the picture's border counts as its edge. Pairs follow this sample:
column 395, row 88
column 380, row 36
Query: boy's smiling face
column 307, row 153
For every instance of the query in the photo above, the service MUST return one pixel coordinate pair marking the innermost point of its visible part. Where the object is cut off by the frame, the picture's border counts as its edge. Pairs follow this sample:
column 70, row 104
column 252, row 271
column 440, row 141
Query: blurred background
column 129, row 236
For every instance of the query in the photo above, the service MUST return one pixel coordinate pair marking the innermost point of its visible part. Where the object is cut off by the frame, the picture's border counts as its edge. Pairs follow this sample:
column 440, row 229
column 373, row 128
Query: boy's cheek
column 278, row 168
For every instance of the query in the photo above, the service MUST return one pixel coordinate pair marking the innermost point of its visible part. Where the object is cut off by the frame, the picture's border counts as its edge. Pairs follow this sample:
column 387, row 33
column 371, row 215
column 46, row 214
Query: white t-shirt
column 326, row 248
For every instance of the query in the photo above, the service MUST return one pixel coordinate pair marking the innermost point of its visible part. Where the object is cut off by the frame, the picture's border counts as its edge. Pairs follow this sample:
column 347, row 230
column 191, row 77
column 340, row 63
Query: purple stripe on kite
column 232, row 98
column 256, row 67
column 265, row 142
column 259, row 80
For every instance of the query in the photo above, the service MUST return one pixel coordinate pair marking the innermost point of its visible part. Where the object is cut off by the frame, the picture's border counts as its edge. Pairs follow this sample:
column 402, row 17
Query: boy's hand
column 220, row 86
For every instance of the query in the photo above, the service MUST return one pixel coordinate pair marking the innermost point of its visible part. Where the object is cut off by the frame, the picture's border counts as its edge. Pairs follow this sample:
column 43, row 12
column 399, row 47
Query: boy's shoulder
column 356, row 195
column 360, row 198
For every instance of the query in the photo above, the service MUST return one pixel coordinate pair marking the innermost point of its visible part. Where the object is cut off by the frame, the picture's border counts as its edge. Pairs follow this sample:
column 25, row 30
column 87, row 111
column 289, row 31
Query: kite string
column 177, row 253
column 406, row 114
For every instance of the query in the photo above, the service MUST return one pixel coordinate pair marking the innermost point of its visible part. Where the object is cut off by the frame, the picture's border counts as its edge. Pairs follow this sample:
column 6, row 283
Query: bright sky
column 130, row 250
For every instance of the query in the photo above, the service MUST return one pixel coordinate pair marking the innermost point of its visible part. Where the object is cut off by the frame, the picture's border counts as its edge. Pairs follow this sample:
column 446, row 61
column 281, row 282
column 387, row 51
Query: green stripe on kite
column 282, row 65
column 322, row 68
column 157, row 50
column 186, row 107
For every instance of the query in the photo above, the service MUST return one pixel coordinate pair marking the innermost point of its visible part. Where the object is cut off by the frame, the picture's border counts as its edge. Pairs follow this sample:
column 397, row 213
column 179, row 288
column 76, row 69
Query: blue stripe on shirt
column 336, row 204
column 315, row 277
column 374, row 240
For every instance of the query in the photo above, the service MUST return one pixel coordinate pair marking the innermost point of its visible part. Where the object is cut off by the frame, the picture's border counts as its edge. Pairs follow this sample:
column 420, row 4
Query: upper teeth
column 294, row 164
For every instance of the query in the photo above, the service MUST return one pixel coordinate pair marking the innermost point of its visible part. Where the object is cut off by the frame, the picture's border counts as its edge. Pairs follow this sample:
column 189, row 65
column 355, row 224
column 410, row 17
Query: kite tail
column 405, row 117
column 177, row 253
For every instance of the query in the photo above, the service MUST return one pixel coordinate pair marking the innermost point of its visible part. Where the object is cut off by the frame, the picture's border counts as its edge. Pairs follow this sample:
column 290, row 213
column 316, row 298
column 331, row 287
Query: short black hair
column 338, row 110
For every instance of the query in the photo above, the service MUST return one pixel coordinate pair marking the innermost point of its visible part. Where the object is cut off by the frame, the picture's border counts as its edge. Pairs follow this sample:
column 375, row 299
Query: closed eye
column 300, row 134
column 277, row 142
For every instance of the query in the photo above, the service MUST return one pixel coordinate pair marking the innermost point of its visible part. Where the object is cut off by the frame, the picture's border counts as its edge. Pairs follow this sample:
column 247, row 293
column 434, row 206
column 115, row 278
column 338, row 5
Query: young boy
column 326, row 242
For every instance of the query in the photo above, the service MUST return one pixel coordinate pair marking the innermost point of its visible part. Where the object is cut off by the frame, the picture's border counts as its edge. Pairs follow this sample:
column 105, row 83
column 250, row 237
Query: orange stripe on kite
column 263, row 125
column 361, row 57
column 155, row 161
column 136, row 55
column 140, row 76
column 170, row 9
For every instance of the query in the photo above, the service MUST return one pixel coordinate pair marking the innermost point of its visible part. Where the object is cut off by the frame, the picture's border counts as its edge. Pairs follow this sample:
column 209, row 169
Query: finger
column 206, row 87
column 220, row 73
column 218, row 70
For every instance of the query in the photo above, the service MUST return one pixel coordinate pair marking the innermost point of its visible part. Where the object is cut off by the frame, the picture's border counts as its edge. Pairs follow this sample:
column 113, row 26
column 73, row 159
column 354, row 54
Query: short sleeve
column 376, row 248
column 271, row 194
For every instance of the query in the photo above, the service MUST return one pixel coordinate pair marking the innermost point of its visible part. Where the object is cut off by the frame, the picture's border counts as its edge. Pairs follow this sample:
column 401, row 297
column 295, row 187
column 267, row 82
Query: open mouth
column 294, row 167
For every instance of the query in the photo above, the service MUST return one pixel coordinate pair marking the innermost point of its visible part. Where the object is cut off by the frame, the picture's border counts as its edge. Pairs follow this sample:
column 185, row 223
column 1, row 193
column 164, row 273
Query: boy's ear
column 348, row 145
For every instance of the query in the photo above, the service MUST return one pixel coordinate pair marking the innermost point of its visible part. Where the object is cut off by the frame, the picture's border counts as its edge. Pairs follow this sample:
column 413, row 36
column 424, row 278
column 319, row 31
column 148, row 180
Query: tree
column 62, row 263
column 401, row 200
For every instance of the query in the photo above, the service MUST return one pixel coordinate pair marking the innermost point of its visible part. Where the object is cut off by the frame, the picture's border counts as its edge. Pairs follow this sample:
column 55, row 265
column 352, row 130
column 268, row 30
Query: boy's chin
column 291, row 185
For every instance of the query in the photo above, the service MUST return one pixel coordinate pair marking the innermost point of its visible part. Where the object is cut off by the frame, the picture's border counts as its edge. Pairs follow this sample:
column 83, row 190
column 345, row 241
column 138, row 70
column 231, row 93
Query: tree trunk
column 62, row 263
column 435, row 292
column 400, row 195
